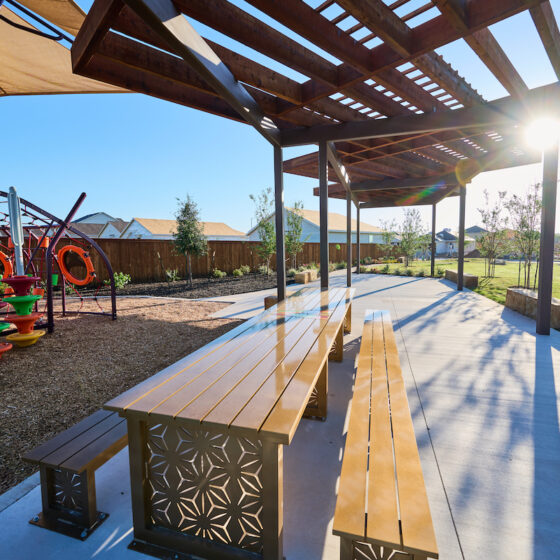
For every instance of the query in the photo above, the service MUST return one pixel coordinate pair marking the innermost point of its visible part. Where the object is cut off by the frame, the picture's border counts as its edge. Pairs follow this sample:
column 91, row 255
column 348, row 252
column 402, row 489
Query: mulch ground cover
column 88, row 360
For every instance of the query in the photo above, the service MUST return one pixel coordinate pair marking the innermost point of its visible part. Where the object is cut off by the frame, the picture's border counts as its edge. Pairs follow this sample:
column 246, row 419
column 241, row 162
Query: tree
column 494, row 242
column 411, row 232
column 264, row 214
column 387, row 235
column 189, row 238
column 294, row 229
column 525, row 213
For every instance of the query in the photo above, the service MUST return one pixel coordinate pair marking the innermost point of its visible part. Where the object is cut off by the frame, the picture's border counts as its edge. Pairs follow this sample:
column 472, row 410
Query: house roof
column 118, row 224
column 448, row 235
column 87, row 216
column 91, row 230
column 475, row 229
column 337, row 222
column 168, row 227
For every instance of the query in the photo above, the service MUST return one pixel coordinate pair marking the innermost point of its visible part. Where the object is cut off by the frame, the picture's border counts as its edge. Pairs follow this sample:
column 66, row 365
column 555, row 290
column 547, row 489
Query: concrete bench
column 382, row 509
column 469, row 280
column 67, row 466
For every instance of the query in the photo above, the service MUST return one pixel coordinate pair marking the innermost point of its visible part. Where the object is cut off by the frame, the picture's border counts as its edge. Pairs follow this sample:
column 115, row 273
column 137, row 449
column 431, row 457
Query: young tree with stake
column 264, row 214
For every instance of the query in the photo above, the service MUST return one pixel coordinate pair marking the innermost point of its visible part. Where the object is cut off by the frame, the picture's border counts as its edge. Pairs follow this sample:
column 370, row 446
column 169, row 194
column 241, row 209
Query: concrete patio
column 483, row 393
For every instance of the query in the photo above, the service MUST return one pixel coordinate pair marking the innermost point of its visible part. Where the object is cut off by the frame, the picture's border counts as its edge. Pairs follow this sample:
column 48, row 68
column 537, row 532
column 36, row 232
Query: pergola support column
column 348, row 239
column 279, row 219
column 548, row 219
column 461, row 248
column 357, row 239
column 324, row 215
column 433, row 252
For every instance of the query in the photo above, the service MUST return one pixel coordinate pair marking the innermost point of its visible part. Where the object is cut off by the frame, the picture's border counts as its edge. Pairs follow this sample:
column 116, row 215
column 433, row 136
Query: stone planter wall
column 469, row 280
column 524, row 301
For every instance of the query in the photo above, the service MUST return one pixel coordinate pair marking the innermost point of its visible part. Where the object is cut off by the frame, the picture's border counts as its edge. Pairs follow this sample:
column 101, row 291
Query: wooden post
column 323, row 215
column 461, row 248
column 358, row 239
column 348, row 239
column 433, row 255
column 279, row 218
column 546, row 255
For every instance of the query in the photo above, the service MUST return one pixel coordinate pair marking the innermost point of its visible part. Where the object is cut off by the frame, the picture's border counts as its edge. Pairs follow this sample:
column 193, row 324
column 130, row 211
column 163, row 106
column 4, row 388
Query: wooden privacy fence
column 139, row 257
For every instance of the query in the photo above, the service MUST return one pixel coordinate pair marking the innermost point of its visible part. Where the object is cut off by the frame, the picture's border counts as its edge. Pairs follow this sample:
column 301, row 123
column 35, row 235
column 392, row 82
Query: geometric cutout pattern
column 68, row 490
column 206, row 484
column 313, row 401
column 366, row 551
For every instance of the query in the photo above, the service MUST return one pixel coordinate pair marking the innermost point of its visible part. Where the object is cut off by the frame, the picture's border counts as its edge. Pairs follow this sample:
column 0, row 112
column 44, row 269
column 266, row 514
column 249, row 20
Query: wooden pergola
column 395, row 124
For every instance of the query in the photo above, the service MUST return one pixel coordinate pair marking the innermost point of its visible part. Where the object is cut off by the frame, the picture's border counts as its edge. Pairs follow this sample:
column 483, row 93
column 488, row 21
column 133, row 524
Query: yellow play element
column 23, row 340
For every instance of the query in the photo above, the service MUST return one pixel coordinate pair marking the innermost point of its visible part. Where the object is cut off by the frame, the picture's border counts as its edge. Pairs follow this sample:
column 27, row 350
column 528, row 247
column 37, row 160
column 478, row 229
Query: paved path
column 477, row 376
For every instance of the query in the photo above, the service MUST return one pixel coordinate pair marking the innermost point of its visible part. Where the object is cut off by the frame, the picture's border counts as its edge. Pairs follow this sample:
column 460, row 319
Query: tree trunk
column 189, row 269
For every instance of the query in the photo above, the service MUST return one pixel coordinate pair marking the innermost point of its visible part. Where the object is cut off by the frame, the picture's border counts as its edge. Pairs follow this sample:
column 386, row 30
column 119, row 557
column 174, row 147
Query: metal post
column 548, row 219
column 433, row 255
column 323, row 214
column 349, row 239
column 279, row 218
column 461, row 248
column 358, row 239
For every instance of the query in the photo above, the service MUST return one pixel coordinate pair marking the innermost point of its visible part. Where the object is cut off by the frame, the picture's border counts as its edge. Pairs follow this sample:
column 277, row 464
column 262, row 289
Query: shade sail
column 31, row 64
column 63, row 13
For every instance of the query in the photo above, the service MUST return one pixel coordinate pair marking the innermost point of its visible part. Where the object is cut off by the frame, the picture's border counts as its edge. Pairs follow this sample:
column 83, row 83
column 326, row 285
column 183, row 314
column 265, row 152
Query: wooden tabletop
column 256, row 379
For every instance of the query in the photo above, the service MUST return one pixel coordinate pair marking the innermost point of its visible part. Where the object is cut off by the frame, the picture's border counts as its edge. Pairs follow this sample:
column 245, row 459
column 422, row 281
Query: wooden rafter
column 546, row 25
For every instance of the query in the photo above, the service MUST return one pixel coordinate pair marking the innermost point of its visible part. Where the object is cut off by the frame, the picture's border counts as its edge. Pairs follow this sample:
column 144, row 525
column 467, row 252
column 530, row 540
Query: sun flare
column 542, row 133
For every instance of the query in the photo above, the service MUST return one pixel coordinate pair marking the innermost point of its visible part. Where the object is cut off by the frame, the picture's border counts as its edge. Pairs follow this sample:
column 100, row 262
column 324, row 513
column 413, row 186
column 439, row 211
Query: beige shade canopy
column 31, row 64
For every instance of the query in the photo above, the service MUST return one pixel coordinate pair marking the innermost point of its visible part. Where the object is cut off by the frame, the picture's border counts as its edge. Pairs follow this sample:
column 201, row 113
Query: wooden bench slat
column 160, row 379
column 349, row 516
column 416, row 520
column 382, row 513
column 99, row 451
column 279, row 368
column 58, row 441
column 195, row 400
column 279, row 418
column 63, row 453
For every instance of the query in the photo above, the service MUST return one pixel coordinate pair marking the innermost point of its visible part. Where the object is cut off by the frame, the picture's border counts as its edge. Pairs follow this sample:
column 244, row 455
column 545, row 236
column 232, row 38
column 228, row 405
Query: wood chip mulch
column 87, row 361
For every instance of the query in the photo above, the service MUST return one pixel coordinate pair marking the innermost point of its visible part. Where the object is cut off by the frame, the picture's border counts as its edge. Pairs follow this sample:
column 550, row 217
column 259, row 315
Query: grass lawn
column 493, row 288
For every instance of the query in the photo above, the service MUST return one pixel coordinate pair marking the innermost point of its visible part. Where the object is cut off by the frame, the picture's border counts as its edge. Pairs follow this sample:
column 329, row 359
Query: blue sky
column 134, row 155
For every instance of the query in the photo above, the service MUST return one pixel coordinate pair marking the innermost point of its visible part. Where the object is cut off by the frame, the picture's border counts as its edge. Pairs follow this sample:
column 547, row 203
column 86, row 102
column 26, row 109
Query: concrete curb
column 14, row 494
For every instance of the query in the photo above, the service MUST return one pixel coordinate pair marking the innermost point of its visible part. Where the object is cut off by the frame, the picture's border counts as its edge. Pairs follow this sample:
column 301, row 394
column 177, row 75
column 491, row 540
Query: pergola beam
column 340, row 170
column 506, row 111
column 164, row 18
column 547, row 27
column 412, row 182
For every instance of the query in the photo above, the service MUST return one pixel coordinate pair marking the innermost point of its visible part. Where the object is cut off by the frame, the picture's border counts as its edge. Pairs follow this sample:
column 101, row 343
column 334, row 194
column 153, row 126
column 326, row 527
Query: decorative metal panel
column 69, row 490
column 366, row 551
column 206, row 484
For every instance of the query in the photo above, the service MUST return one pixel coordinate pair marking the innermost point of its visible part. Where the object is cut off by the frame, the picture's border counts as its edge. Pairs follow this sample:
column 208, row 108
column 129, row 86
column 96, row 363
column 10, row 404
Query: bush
column 397, row 272
column 409, row 272
column 312, row 265
column 70, row 290
column 421, row 273
column 363, row 269
column 341, row 265
column 440, row 271
column 385, row 269
column 291, row 272
column 263, row 269
column 367, row 260
column 172, row 275
column 238, row 273
column 332, row 267
column 121, row 280
column 245, row 268
column 217, row 273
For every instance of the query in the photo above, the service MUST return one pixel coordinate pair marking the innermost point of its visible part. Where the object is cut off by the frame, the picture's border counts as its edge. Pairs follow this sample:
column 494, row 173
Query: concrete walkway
column 483, row 393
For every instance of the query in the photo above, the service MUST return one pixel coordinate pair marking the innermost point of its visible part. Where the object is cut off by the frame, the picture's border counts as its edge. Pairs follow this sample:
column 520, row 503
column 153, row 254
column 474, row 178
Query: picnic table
column 206, row 434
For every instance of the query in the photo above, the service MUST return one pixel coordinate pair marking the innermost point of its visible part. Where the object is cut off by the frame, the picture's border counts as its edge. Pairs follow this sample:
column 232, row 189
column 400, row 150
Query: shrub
column 397, row 272
column 374, row 271
column 172, row 275
column 263, row 269
column 291, row 272
column 385, row 269
column 421, row 273
column 238, row 273
column 409, row 272
column 363, row 269
column 217, row 273
column 121, row 280
column 332, row 267
column 367, row 260
column 440, row 271
column 245, row 268
column 70, row 290
column 340, row 265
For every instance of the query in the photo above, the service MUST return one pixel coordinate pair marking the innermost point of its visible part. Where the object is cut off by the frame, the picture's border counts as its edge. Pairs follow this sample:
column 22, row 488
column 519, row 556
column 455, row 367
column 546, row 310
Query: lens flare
column 542, row 133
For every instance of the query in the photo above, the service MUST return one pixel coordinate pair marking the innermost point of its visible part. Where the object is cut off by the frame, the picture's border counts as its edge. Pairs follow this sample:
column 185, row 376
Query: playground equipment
column 29, row 237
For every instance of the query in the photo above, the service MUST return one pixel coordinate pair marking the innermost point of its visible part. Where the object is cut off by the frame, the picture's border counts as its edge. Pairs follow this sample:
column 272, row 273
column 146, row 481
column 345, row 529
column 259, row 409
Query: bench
column 469, row 280
column 67, row 466
column 382, row 507
column 206, row 434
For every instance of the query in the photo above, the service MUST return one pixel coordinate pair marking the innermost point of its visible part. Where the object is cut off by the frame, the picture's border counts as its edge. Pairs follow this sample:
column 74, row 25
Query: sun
column 542, row 133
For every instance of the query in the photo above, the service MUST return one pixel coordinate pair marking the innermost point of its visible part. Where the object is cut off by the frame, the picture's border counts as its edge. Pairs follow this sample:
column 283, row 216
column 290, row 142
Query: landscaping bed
column 87, row 361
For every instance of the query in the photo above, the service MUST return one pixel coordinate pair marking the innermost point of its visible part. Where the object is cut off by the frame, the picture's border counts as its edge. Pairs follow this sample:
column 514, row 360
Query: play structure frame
column 48, row 222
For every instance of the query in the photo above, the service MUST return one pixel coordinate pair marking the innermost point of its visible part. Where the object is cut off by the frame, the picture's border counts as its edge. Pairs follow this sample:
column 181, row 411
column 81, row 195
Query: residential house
column 113, row 230
column 475, row 231
column 447, row 243
column 336, row 226
column 148, row 228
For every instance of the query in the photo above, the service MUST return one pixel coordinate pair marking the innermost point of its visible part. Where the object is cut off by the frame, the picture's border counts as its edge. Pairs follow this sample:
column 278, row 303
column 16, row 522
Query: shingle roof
column 337, row 222
column 168, row 227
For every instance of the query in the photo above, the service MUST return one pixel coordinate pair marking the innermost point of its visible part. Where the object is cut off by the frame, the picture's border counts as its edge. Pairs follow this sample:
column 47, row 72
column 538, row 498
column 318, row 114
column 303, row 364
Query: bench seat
column 67, row 466
column 382, row 508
